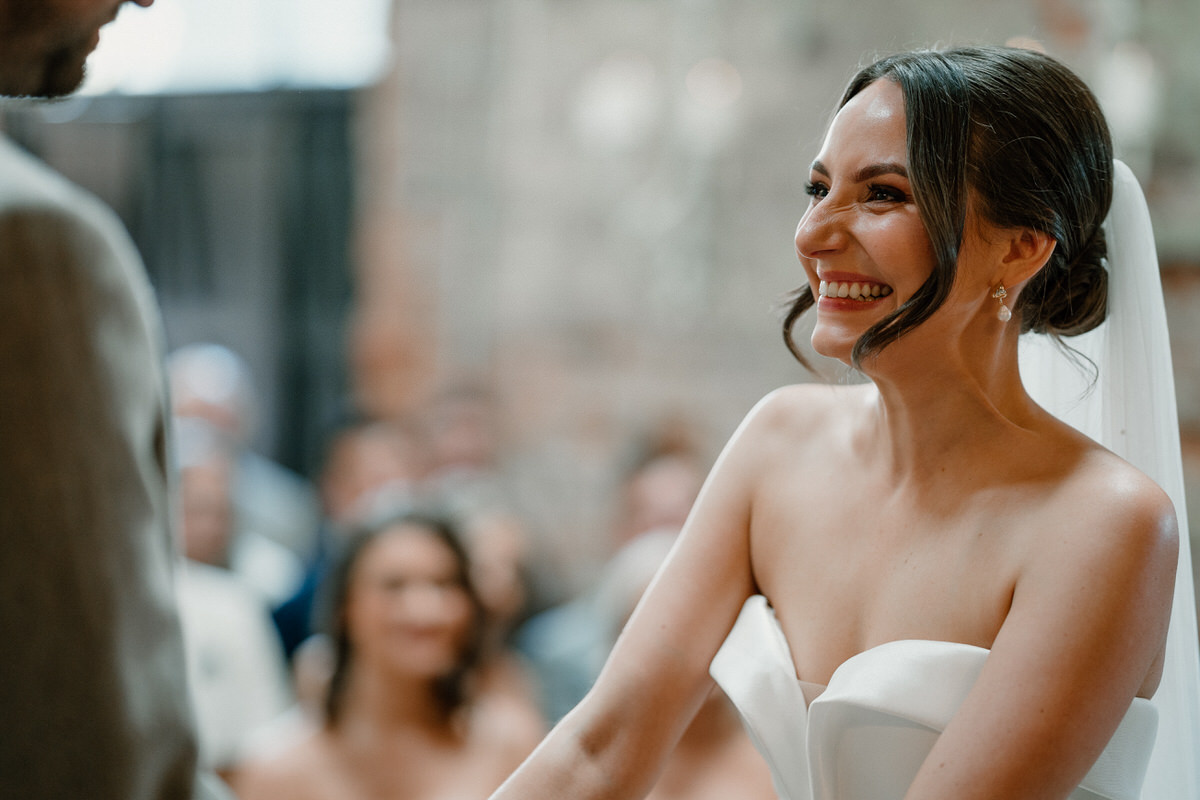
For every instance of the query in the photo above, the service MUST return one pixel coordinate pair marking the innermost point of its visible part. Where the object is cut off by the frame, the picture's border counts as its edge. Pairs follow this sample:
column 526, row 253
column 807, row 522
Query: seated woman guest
column 400, row 721
column 941, row 590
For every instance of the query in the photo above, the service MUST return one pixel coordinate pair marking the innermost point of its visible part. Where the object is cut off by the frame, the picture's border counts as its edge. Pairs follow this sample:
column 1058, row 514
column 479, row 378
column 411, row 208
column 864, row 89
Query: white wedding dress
column 865, row 735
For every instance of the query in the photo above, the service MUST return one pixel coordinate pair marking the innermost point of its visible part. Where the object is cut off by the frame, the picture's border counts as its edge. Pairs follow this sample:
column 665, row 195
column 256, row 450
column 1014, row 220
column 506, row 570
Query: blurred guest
column 277, row 510
column 468, row 477
column 567, row 645
column 368, row 466
column 401, row 718
column 463, row 440
column 236, row 670
column 205, row 493
column 661, row 483
column 497, row 545
column 92, row 694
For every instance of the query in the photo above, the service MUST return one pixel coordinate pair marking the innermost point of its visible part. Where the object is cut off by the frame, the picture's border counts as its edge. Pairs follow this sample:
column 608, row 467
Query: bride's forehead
column 873, row 119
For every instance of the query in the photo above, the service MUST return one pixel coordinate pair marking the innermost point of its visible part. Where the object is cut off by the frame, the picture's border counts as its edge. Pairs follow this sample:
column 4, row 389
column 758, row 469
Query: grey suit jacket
column 93, row 700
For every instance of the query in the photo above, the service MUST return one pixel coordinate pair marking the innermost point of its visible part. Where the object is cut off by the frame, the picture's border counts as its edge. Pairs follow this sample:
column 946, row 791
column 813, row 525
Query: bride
column 964, row 596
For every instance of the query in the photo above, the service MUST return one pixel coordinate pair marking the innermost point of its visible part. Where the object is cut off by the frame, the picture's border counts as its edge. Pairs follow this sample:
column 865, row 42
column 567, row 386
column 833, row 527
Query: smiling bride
column 941, row 590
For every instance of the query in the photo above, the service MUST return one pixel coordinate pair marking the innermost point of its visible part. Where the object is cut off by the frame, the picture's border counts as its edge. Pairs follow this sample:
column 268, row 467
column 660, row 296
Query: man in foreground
column 92, row 682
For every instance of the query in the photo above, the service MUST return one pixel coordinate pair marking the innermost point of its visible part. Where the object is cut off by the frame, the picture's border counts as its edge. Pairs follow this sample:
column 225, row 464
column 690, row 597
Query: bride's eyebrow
column 868, row 172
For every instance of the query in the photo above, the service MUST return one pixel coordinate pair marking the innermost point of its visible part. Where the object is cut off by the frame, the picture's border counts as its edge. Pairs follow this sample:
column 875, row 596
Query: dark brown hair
column 1027, row 137
column 450, row 690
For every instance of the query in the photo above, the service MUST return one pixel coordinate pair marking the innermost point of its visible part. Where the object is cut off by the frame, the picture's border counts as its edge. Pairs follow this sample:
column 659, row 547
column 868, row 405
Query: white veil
column 1131, row 410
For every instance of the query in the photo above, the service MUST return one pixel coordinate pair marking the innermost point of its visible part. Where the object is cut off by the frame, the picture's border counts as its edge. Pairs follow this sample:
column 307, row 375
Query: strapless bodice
column 867, row 734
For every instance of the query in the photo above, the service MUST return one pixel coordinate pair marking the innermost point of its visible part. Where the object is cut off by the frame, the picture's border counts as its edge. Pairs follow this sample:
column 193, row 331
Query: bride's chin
column 832, row 344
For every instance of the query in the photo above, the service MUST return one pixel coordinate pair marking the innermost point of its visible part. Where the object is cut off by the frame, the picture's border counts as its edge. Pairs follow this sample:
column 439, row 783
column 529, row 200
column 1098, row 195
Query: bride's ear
column 1028, row 252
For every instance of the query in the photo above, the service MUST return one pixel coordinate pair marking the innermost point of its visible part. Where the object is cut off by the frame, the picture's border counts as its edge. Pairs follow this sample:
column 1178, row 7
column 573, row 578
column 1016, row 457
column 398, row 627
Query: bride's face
column 861, row 241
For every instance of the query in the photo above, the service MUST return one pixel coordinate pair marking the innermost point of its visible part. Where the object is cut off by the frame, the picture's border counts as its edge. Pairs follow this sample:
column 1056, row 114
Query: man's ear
column 1028, row 252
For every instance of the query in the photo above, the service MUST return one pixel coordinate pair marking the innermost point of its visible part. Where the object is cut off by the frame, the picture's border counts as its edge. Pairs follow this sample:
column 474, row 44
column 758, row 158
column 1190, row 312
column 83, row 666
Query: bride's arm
column 613, row 744
column 1085, row 633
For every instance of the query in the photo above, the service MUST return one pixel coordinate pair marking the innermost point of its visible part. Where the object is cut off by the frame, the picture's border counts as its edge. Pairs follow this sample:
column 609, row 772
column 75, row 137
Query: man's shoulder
column 25, row 179
column 47, row 219
column 29, row 185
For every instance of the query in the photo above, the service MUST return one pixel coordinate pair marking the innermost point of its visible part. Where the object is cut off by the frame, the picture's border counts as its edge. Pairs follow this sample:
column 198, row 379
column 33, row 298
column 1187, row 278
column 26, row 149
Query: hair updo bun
column 1067, row 299
column 1024, row 139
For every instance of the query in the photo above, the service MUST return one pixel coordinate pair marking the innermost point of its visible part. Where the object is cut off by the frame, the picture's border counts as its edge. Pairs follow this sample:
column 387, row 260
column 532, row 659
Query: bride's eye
column 816, row 190
column 886, row 194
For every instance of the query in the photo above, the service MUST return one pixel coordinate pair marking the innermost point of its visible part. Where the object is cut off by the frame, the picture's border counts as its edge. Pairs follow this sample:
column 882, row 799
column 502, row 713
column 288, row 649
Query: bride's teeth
column 854, row 291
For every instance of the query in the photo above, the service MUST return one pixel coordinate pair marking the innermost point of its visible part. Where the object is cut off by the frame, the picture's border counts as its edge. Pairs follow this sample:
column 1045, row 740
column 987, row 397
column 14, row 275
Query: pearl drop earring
column 1003, row 313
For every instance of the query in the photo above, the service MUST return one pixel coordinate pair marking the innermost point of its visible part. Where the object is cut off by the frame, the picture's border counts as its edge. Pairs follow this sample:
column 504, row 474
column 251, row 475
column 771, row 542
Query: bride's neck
column 928, row 415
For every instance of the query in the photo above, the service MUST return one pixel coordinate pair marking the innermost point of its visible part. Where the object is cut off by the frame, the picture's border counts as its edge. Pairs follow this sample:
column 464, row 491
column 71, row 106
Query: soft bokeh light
column 709, row 111
column 714, row 82
column 618, row 105
column 591, row 203
column 181, row 46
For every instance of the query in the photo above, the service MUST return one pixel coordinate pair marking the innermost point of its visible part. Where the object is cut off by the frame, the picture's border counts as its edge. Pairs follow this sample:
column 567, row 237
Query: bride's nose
column 820, row 231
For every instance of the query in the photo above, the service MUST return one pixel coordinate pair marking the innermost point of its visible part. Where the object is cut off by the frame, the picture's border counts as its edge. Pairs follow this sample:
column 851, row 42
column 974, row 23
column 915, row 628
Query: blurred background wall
column 583, row 209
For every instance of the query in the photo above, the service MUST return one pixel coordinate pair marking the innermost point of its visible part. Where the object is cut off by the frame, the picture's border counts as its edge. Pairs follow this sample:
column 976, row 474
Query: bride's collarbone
column 860, row 492
column 844, row 512
column 878, row 546
column 854, row 576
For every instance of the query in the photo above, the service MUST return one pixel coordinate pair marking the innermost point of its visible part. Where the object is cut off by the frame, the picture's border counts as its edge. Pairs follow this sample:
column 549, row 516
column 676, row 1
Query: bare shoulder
column 798, row 412
column 777, row 429
column 1085, row 628
column 298, row 771
column 785, row 403
column 1100, row 567
column 1114, row 506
